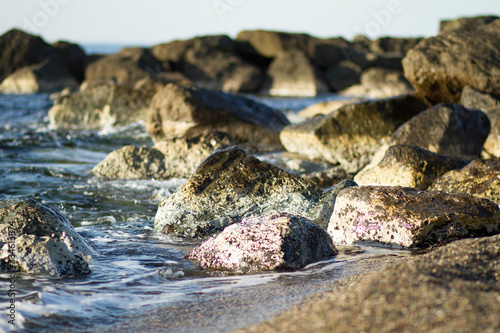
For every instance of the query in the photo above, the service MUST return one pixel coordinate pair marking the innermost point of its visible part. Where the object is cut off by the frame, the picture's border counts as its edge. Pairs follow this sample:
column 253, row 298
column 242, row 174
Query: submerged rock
column 229, row 185
column 44, row 241
column 406, row 217
column 479, row 178
column 178, row 157
column 440, row 67
column 353, row 133
column 186, row 111
column 409, row 166
column 279, row 241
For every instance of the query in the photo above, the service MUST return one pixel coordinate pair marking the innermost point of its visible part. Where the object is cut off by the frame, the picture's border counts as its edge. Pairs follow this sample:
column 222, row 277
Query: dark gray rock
column 480, row 178
column 279, row 241
column 230, row 185
column 42, row 241
column 406, row 217
column 351, row 134
column 440, row 67
column 186, row 111
column 343, row 75
column 409, row 166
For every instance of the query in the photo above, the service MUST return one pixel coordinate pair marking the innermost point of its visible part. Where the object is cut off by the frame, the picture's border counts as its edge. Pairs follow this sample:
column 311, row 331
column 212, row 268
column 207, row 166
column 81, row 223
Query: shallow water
column 135, row 269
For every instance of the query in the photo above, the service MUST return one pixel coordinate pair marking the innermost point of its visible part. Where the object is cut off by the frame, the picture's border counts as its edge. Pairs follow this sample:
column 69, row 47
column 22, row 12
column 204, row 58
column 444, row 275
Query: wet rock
column 474, row 99
column 465, row 23
column 178, row 157
column 440, row 67
column 343, row 75
column 279, row 241
column 378, row 82
column 126, row 67
column 44, row 241
column 402, row 216
column 291, row 73
column 327, row 107
column 409, row 166
column 480, row 178
column 230, row 185
column 183, row 111
column 352, row 134
column 102, row 106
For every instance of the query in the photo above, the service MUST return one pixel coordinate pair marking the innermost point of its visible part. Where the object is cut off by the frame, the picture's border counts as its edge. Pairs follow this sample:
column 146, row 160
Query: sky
column 149, row 22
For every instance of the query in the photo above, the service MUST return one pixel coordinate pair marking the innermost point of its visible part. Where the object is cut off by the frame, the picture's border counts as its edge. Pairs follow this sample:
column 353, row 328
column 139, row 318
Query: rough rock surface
column 183, row 111
column 178, row 157
column 454, row 288
column 393, row 45
column 447, row 129
column 353, row 133
column 102, row 106
column 465, row 22
column 279, row 241
column 406, row 217
column 230, row 185
column 409, row 166
column 440, row 67
column 474, row 99
column 45, row 242
column 479, row 178
column 125, row 67
column 291, row 73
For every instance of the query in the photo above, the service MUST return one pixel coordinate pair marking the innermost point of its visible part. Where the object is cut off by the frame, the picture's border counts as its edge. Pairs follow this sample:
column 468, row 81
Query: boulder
column 185, row 111
column 102, row 106
column 279, row 241
column 492, row 144
column 327, row 107
column 74, row 57
column 474, row 99
column 393, row 45
column 352, row 134
column 465, row 23
column 46, row 77
column 38, row 239
column 343, row 75
column 173, row 158
column 480, row 178
column 406, row 217
column 291, row 73
column 230, row 185
column 126, row 67
column 440, row 67
column 379, row 82
column 409, row 166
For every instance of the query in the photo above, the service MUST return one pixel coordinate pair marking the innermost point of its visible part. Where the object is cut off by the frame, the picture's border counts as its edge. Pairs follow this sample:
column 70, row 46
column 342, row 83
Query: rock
column 183, row 111
column 327, row 107
column 291, row 73
column 343, row 75
column 45, row 77
column 492, row 144
column 102, row 106
column 352, row 134
column 451, row 289
column 328, row 178
column 279, row 241
column 125, row 67
column 378, row 82
column 173, row 158
column 406, row 217
column 446, row 129
column 475, row 99
column 74, row 57
column 440, row 67
column 229, row 185
column 393, row 45
column 45, row 242
column 409, row 166
column 465, row 23
column 479, row 178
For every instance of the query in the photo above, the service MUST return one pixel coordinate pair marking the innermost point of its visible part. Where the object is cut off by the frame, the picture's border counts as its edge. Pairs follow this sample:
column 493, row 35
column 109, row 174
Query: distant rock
column 230, row 185
column 409, row 166
column 343, row 75
column 126, row 67
column 186, row 111
column 74, row 57
column 327, row 107
column 492, row 144
column 45, row 242
column 480, row 178
column 178, row 157
column 406, row 217
column 279, row 241
column 102, row 106
column 440, row 67
column 329, row 177
column 353, row 133
column 465, row 23
column 393, row 45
